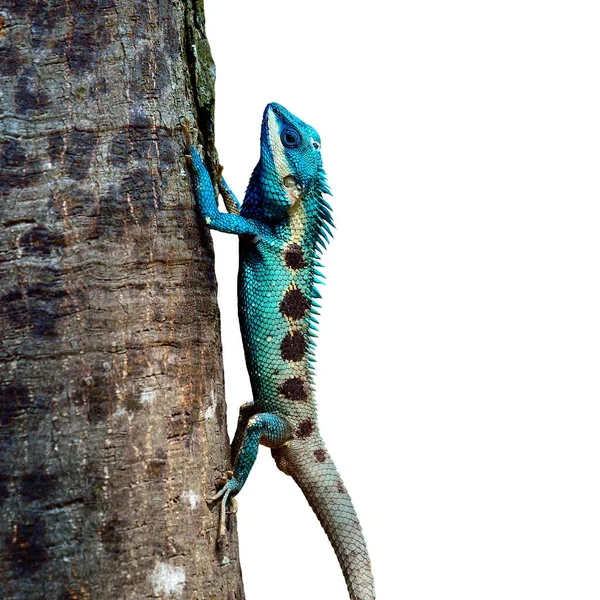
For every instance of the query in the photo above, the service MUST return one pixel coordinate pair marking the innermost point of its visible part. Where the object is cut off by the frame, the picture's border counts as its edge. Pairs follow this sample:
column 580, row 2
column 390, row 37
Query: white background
column 458, row 362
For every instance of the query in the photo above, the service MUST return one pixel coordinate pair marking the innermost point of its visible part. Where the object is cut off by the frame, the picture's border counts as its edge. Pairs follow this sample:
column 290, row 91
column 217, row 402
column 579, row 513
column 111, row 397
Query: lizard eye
column 290, row 138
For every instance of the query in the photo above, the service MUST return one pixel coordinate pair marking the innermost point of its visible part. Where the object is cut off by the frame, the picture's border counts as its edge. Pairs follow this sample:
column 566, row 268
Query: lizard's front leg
column 207, row 203
column 262, row 428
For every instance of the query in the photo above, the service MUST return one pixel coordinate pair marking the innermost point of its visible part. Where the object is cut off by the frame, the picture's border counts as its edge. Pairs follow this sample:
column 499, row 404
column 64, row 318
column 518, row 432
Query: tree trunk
column 112, row 417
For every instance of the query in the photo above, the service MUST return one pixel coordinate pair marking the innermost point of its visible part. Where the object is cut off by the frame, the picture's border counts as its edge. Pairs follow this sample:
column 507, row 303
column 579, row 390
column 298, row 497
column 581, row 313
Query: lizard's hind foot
column 229, row 489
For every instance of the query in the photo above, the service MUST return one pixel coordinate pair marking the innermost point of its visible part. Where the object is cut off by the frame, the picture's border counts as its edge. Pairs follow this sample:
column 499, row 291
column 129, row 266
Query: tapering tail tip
column 313, row 470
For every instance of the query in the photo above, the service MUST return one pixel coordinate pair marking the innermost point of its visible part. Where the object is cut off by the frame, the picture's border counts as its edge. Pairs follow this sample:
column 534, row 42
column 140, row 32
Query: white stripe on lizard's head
column 281, row 164
column 284, row 171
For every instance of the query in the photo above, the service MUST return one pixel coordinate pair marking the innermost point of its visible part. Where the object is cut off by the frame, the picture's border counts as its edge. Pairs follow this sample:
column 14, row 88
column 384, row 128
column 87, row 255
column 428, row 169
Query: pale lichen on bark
column 111, row 385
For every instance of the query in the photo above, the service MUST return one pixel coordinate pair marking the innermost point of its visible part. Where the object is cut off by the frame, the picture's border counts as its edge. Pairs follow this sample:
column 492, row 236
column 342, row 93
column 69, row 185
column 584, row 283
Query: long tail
column 310, row 465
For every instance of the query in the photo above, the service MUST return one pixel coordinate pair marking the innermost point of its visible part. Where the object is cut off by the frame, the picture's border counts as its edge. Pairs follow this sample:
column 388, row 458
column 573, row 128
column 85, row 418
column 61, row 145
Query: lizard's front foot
column 230, row 487
column 184, row 125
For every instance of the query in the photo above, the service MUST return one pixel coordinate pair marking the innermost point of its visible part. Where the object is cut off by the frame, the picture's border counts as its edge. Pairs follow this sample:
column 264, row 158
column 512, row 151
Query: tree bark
column 112, row 416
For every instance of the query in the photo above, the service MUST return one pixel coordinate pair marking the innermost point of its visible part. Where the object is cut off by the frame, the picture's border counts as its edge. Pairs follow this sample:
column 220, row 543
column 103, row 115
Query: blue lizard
column 284, row 224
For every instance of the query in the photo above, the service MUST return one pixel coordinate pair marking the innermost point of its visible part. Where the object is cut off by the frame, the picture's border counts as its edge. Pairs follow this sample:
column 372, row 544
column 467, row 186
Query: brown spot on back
column 294, row 257
column 320, row 455
column 294, row 304
column 293, row 389
column 305, row 428
column 293, row 346
column 340, row 487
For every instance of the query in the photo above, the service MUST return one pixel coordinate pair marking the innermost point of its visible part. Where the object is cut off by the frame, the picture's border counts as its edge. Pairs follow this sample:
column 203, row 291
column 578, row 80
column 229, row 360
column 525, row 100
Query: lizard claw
column 230, row 486
column 185, row 127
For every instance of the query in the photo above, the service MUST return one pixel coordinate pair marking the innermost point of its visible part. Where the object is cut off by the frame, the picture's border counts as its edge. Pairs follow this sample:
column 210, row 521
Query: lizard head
column 291, row 165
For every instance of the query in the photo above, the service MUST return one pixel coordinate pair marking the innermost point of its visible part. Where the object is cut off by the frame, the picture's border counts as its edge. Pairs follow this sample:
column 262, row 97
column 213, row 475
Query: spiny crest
column 324, row 217
column 323, row 234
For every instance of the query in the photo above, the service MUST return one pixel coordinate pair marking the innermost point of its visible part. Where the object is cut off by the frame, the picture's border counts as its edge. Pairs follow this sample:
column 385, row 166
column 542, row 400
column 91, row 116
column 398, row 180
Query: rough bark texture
column 111, row 384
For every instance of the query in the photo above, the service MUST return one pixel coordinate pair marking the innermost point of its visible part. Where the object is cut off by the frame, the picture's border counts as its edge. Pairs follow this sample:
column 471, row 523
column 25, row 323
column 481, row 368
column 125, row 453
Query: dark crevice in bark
column 196, row 43
column 190, row 24
column 194, row 32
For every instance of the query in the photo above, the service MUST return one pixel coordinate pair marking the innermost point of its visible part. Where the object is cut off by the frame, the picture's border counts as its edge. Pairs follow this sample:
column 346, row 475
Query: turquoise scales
column 283, row 226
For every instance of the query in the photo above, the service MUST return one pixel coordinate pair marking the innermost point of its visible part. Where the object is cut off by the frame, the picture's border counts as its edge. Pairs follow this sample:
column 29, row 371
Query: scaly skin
column 283, row 224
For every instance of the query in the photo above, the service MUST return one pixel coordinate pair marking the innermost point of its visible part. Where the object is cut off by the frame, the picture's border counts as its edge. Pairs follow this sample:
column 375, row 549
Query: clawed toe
column 230, row 485
column 217, row 495
column 185, row 126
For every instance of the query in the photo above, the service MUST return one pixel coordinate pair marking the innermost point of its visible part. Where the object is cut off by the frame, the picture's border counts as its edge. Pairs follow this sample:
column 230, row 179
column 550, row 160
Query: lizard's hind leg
column 262, row 428
column 247, row 410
